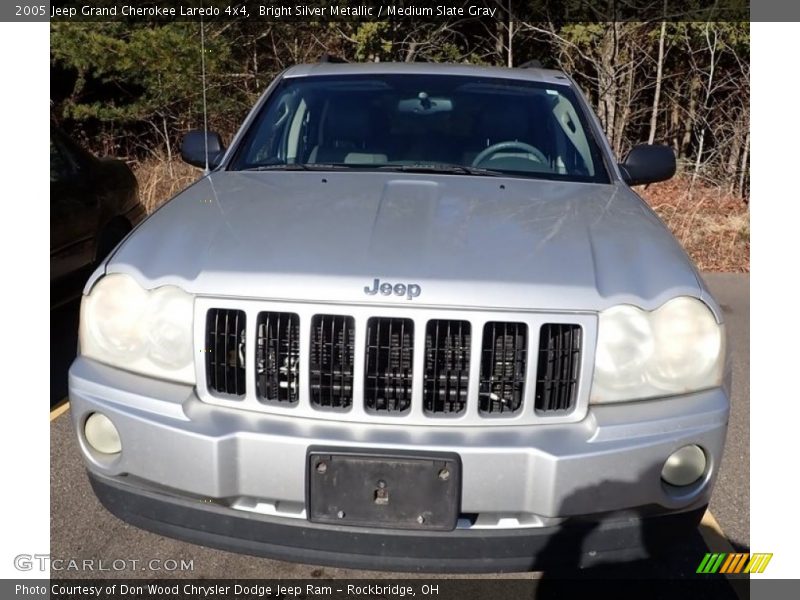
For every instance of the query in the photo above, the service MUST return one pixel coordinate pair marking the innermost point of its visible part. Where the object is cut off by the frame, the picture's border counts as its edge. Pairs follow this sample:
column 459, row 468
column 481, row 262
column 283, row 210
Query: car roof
column 419, row 68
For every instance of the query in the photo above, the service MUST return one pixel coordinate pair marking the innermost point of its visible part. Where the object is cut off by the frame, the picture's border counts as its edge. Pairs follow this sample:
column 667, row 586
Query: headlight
column 675, row 349
column 149, row 332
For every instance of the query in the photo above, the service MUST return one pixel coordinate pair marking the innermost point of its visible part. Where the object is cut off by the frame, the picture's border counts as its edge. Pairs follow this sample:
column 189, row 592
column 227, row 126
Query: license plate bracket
column 394, row 490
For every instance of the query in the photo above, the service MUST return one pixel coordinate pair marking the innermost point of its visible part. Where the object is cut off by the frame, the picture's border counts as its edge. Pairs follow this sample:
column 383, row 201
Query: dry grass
column 159, row 180
column 713, row 226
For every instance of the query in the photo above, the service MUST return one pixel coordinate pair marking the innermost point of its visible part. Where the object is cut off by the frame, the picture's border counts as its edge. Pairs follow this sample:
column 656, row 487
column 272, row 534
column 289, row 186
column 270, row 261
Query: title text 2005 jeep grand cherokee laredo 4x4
column 414, row 319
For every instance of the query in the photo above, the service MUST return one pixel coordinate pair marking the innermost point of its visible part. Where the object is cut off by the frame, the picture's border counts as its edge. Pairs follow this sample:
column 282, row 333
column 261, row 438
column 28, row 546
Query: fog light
column 684, row 466
column 102, row 435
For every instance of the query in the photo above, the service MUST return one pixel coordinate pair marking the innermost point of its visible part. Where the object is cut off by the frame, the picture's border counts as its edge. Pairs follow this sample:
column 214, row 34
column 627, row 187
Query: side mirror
column 193, row 149
column 648, row 164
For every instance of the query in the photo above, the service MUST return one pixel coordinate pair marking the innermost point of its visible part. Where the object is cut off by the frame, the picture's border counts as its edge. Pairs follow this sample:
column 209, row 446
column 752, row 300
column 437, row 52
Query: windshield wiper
column 298, row 167
column 441, row 168
column 413, row 168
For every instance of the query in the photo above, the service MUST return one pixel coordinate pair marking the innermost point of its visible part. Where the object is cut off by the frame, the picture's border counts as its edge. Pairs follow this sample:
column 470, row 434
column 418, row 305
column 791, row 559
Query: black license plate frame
column 380, row 489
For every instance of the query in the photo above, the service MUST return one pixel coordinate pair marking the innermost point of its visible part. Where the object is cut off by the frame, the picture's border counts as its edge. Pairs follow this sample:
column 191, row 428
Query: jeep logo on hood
column 409, row 290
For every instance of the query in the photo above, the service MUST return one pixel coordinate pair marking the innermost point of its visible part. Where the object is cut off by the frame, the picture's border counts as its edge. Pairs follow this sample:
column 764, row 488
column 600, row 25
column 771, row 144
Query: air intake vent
column 503, row 362
column 447, row 345
column 389, row 369
column 331, row 361
column 225, row 351
column 558, row 367
column 278, row 357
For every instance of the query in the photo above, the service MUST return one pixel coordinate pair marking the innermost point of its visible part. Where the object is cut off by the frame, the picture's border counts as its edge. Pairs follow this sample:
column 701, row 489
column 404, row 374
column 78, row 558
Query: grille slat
column 503, row 364
column 278, row 357
column 389, row 365
column 558, row 367
column 447, row 356
column 331, row 361
column 225, row 351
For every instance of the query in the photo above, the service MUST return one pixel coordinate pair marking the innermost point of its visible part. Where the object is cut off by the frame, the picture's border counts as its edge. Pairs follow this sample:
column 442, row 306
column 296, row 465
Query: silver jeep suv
column 413, row 318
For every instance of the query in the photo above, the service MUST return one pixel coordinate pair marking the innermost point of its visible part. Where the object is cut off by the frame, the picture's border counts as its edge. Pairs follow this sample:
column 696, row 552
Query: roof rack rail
column 531, row 64
column 331, row 58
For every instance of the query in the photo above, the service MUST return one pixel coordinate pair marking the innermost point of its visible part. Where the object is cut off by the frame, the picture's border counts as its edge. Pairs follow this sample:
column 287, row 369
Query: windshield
column 449, row 124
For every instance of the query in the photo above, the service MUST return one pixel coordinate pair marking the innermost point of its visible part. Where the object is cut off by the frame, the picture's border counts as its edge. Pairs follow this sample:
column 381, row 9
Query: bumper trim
column 576, row 543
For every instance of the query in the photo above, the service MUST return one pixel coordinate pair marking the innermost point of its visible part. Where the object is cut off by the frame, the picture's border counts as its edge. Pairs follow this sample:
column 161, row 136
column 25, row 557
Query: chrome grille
column 390, row 360
column 225, row 351
column 558, row 368
column 331, row 361
column 503, row 361
column 414, row 365
column 447, row 348
column 278, row 357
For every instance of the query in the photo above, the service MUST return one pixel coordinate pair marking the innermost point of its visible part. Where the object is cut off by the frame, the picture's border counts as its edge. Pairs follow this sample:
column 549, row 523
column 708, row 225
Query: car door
column 74, row 207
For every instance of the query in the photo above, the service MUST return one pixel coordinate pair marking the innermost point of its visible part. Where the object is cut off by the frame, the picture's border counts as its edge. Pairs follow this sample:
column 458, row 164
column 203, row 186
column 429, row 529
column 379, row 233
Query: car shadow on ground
column 666, row 567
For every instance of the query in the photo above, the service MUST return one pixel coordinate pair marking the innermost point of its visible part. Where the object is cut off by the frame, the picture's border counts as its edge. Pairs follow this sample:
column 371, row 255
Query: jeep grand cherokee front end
column 413, row 319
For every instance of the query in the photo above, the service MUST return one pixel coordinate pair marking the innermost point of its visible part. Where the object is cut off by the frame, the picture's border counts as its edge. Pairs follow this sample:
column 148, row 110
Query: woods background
column 132, row 90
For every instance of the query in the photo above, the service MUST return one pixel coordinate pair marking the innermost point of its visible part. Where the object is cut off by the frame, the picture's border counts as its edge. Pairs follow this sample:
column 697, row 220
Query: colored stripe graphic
column 728, row 562
column 758, row 562
column 733, row 562
column 704, row 563
column 737, row 568
column 711, row 563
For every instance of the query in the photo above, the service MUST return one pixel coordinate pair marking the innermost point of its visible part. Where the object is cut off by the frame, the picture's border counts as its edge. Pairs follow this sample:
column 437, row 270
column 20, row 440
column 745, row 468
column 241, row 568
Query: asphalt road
column 81, row 529
column 731, row 501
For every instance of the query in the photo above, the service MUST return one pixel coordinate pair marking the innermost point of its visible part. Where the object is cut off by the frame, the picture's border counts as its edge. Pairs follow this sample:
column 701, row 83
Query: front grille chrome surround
column 409, row 402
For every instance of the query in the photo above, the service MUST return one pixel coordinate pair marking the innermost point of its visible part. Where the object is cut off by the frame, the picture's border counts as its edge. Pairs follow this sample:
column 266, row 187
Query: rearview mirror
column 193, row 149
column 648, row 164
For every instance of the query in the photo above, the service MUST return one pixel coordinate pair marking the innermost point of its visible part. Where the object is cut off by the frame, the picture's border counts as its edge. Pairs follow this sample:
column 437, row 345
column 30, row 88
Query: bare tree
column 659, row 76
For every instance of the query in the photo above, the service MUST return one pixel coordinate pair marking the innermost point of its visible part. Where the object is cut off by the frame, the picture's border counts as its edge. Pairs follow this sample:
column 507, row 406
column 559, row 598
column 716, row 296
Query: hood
column 463, row 241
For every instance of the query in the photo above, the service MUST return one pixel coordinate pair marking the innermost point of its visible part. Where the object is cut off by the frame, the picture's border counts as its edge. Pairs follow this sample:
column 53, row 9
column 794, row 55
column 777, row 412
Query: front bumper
column 578, row 543
column 243, row 475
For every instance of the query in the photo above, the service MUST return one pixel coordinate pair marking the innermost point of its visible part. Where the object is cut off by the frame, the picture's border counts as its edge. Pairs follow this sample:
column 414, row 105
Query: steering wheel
column 495, row 148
